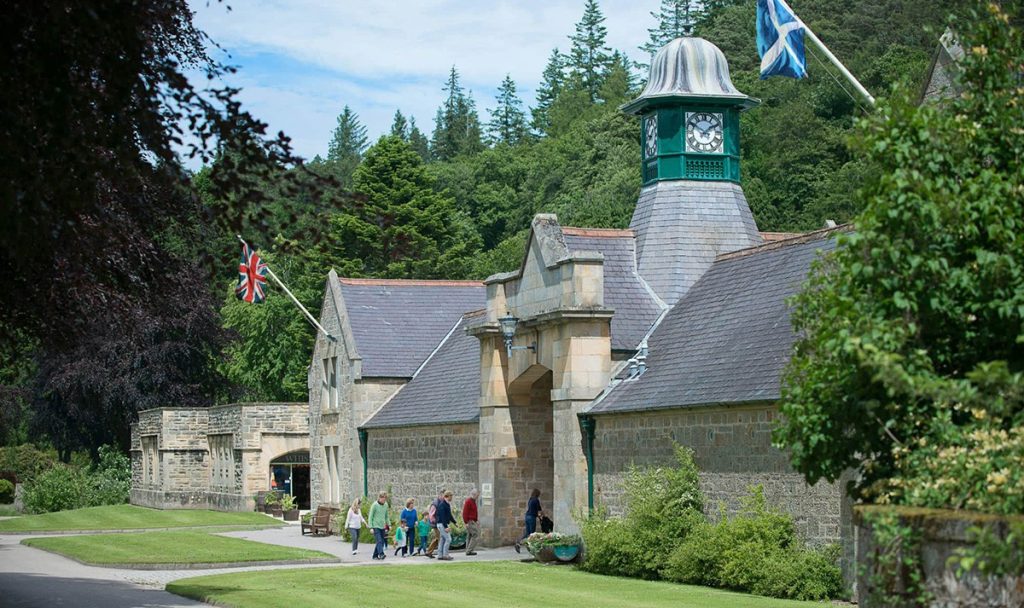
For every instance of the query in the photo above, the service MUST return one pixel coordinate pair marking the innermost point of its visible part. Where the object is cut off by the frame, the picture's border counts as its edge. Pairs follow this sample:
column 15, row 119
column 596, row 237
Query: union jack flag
column 252, row 275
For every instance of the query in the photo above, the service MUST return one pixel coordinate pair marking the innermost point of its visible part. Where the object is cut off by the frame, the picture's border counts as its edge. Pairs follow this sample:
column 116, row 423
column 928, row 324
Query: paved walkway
column 31, row 578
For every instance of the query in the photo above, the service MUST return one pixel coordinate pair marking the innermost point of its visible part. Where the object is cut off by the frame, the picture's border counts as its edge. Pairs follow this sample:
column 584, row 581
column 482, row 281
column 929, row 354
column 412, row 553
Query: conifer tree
column 418, row 141
column 347, row 145
column 553, row 79
column 675, row 18
column 508, row 121
column 589, row 57
column 400, row 126
column 618, row 84
column 457, row 126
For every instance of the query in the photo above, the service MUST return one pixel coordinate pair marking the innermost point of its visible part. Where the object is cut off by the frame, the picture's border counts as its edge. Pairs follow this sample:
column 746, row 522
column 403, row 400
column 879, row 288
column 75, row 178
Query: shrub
column 111, row 478
column 61, row 487
column 662, row 506
column 6, row 491
column 26, row 461
column 756, row 551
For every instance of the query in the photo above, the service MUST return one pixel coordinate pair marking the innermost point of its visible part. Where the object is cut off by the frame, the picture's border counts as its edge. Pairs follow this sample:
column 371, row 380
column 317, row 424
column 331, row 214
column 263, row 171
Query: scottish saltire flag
column 252, row 275
column 780, row 40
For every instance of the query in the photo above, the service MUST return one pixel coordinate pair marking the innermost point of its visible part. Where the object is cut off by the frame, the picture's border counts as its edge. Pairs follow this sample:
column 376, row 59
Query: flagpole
column 292, row 296
column 835, row 61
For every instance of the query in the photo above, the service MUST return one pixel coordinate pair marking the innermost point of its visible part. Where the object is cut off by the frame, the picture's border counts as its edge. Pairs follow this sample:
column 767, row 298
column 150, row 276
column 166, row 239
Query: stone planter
column 291, row 515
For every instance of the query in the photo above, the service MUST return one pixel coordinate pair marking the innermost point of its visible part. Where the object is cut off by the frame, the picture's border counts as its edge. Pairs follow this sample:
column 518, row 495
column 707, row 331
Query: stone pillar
column 497, row 444
column 582, row 367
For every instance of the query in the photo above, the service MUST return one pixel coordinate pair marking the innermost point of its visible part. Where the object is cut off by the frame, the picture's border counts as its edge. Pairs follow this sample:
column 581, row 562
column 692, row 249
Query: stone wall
column 172, row 460
column 941, row 535
column 418, row 461
column 733, row 451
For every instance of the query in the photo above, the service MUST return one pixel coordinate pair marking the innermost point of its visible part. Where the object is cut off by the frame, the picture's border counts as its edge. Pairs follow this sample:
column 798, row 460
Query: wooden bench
column 320, row 523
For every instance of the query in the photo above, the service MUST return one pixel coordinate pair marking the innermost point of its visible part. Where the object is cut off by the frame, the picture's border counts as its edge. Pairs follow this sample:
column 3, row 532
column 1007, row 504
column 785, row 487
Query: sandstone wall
column 733, row 450
column 417, row 462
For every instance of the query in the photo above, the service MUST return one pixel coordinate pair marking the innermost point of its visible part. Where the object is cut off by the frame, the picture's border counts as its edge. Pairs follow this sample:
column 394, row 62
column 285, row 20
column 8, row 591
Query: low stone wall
column 418, row 461
column 158, row 499
column 940, row 534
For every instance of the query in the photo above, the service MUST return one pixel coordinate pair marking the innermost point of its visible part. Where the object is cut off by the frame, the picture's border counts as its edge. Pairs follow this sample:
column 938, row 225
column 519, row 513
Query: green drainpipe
column 587, row 426
column 362, row 452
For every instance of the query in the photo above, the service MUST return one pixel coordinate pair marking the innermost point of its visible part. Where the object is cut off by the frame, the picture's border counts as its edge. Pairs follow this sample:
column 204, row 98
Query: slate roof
column 636, row 307
column 396, row 324
column 446, row 389
column 682, row 225
column 728, row 340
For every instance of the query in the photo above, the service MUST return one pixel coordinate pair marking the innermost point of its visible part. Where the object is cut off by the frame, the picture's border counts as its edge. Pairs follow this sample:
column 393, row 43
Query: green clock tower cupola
column 690, row 115
column 691, row 207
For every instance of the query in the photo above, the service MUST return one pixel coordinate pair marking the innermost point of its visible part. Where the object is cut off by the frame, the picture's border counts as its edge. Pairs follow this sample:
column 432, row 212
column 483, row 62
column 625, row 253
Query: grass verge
column 171, row 547
column 457, row 585
column 130, row 517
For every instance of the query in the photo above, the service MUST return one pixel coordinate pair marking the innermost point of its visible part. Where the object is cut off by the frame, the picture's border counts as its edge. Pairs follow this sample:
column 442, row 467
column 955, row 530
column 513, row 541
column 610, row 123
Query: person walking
column 444, row 522
column 354, row 522
column 432, row 518
column 533, row 512
column 378, row 522
column 470, row 518
column 409, row 517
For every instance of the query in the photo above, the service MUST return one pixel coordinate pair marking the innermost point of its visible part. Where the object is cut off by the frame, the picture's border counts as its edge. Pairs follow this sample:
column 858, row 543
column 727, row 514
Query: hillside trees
column 347, row 146
column 589, row 55
column 457, row 126
column 910, row 361
column 675, row 18
column 508, row 121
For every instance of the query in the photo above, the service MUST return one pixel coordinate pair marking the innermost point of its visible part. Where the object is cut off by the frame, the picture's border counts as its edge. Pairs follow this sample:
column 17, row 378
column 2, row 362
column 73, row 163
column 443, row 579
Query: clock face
column 651, row 136
column 704, row 132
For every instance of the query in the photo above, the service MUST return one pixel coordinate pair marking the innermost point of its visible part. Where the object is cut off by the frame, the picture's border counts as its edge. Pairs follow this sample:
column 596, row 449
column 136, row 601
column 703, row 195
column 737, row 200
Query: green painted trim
column 588, row 425
column 363, row 437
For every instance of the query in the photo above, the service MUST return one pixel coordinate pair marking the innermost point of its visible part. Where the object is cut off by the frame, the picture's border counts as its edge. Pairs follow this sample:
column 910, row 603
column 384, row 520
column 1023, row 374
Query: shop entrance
column 289, row 474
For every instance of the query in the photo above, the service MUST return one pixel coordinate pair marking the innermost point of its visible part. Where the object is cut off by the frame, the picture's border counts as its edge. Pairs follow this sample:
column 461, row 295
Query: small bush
column 60, row 488
column 74, row 486
column 662, row 506
column 756, row 551
column 26, row 461
column 6, row 491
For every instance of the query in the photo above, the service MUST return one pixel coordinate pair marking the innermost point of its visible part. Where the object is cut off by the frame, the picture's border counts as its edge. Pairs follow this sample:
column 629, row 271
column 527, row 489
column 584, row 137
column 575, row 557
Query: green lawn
column 170, row 547
column 455, row 585
column 6, row 510
column 130, row 517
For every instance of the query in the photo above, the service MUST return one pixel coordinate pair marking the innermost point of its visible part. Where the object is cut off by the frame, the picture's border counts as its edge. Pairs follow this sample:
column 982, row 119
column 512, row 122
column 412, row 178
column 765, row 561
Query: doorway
column 289, row 474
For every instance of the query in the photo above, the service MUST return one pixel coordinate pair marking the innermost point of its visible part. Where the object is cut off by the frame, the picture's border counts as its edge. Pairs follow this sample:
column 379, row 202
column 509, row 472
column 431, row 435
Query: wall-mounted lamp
column 508, row 325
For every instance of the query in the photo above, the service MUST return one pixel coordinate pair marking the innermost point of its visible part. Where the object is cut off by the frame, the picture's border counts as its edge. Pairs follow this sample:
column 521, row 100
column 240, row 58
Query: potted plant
column 553, row 546
column 290, row 508
column 273, row 504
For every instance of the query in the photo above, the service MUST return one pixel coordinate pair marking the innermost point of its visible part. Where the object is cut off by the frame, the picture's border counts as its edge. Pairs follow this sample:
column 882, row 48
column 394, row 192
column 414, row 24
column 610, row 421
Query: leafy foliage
column 908, row 366
column 757, row 551
column 6, row 492
column 663, row 506
column 63, row 487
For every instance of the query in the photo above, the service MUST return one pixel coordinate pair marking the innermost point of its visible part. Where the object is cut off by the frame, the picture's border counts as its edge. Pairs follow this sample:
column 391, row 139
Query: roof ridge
column 410, row 282
column 806, row 237
column 599, row 232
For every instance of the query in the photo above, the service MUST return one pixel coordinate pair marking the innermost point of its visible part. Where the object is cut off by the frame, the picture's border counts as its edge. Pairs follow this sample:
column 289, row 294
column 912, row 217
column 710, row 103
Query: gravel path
column 31, row 577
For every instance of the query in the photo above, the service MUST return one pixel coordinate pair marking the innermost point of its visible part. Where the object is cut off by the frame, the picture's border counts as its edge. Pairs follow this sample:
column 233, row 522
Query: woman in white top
column 354, row 522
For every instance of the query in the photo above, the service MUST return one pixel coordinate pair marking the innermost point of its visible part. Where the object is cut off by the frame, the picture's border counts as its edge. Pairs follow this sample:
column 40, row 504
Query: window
column 150, row 460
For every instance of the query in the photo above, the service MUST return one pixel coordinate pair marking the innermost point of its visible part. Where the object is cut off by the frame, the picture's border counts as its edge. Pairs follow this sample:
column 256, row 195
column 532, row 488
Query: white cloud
column 302, row 61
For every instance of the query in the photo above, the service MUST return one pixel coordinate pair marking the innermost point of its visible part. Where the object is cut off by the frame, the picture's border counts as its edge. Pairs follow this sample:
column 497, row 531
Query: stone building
column 219, row 457
column 601, row 350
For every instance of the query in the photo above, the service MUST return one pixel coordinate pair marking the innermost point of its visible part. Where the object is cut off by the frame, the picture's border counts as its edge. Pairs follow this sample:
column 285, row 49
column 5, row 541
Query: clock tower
column 691, row 207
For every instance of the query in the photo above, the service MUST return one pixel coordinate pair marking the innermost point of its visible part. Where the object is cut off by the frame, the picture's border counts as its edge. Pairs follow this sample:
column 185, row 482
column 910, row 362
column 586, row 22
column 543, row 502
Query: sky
column 301, row 61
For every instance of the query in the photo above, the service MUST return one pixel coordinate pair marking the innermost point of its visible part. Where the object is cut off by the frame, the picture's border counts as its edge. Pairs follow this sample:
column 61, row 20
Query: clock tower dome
column 691, row 207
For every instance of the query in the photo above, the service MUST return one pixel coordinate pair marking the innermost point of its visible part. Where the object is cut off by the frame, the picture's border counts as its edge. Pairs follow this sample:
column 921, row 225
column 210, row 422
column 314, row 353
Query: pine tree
column 400, row 127
column 405, row 228
column 589, row 58
column 618, row 84
column 457, row 126
column 553, row 79
column 675, row 18
column 347, row 145
column 508, row 121
column 418, row 141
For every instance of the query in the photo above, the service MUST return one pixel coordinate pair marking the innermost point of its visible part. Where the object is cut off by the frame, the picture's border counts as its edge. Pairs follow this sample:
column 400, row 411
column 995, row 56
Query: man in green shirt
column 378, row 520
